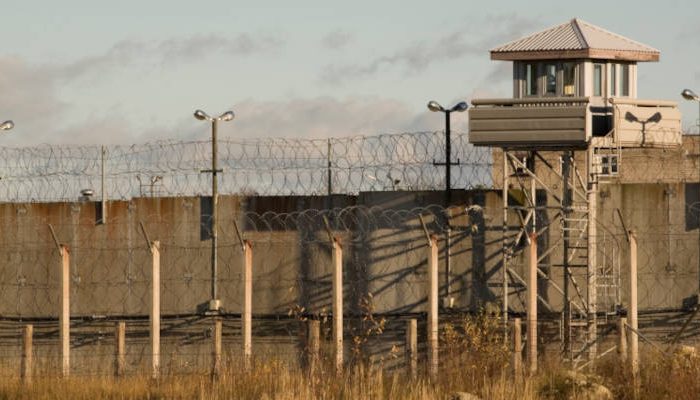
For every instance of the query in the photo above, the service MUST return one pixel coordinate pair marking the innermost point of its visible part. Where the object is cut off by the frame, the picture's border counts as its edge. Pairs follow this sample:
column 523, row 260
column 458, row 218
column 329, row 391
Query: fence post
column 338, row 303
column 64, row 318
column 313, row 343
column 27, row 354
column 517, row 347
column 155, row 309
column 216, row 351
column 247, row 303
column 433, row 307
column 634, row 339
column 120, row 350
column 412, row 346
column 622, row 343
column 532, row 304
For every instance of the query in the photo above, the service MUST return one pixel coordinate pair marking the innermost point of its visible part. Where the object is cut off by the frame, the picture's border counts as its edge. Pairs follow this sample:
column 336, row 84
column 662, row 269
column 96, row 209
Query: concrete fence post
column 120, row 349
column 247, row 316
column 64, row 317
column 313, row 344
column 532, row 304
column 633, row 322
column 155, row 310
column 338, row 304
column 622, row 342
column 517, row 347
column 412, row 347
column 433, row 359
column 216, row 348
column 27, row 354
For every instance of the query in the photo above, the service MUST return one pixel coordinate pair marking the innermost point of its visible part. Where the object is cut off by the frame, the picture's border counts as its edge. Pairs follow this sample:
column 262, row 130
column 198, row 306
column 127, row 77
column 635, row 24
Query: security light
column 689, row 95
column 227, row 116
column 460, row 107
column 201, row 115
column 7, row 125
column 435, row 106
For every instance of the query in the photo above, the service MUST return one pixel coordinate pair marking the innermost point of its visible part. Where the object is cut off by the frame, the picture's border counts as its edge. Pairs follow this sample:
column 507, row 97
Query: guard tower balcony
column 574, row 86
column 574, row 122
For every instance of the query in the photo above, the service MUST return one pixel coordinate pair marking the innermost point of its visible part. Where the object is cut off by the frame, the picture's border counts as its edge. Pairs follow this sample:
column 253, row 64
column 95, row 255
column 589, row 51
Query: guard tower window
column 569, row 72
column 613, row 79
column 597, row 79
column 625, row 79
column 530, row 79
column 550, row 75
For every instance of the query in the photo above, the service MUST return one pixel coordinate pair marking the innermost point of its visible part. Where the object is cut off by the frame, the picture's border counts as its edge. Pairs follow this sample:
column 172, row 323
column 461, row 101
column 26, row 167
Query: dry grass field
column 473, row 359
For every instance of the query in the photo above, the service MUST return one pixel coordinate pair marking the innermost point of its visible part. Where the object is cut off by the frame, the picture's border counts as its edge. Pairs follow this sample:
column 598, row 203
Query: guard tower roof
column 575, row 39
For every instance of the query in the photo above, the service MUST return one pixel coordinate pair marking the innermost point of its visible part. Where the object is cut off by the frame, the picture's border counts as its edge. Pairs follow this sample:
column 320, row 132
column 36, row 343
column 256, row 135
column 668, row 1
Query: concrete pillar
column 338, row 304
column 412, row 346
column 622, row 342
column 64, row 317
column 154, row 315
column 433, row 359
column 27, row 354
column 633, row 322
column 313, row 344
column 517, row 347
column 247, row 316
column 120, row 349
column 216, row 348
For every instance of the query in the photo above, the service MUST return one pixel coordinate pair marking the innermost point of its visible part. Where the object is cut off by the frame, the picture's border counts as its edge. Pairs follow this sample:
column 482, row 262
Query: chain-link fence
column 385, row 261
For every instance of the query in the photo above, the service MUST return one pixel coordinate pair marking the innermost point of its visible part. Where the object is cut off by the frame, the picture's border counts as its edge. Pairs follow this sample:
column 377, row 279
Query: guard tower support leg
column 592, row 293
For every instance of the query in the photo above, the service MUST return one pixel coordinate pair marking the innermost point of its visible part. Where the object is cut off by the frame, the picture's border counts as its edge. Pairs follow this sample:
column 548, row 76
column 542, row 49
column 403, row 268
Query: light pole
column 434, row 106
column 214, row 303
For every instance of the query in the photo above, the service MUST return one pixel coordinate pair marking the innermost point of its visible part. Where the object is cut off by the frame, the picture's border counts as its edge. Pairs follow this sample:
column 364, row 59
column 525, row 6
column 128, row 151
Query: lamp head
column 689, row 95
column 7, row 125
column 201, row 115
column 227, row 116
column 630, row 117
column 434, row 106
column 460, row 107
column 655, row 118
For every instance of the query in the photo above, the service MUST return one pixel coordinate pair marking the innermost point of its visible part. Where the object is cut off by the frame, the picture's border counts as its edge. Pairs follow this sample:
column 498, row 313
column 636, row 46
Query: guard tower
column 562, row 134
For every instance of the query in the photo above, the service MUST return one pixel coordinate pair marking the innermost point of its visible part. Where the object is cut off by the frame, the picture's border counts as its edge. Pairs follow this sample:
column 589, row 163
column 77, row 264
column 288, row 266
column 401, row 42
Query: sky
column 122, row 72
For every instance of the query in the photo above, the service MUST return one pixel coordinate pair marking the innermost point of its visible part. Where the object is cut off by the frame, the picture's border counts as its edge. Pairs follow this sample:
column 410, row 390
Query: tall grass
column 474, row 359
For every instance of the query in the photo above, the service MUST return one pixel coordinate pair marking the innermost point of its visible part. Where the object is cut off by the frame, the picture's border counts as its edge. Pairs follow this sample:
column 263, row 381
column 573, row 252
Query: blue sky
column 128, row 71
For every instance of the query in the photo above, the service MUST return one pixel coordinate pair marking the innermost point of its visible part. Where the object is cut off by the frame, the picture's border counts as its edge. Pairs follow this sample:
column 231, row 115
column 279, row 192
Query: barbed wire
column 270, row 166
